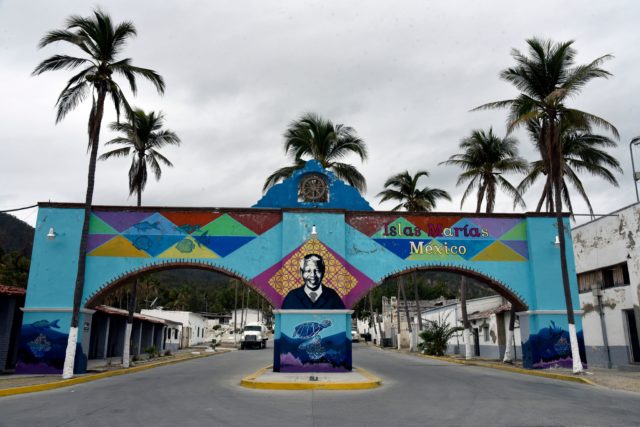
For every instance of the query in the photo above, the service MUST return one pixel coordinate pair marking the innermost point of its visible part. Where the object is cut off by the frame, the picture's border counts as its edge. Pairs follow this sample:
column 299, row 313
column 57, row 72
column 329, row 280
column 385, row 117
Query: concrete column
column 106, row 339
column 139, row 338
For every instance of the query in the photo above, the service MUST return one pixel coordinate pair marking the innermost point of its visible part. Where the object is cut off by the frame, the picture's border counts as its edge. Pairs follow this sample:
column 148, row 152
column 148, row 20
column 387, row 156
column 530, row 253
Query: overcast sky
column 404, row 74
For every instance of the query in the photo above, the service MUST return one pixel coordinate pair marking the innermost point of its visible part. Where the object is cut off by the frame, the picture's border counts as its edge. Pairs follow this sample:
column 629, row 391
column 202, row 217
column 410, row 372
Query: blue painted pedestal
column 312, row 341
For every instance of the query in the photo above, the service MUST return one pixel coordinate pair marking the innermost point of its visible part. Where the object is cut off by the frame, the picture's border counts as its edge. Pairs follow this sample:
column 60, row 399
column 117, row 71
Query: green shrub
column 436, row 337
column 151, row 351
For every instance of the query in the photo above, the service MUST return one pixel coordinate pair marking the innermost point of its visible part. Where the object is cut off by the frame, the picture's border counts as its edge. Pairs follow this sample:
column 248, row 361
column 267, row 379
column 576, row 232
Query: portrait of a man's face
column 313, row 294
column 312, row 271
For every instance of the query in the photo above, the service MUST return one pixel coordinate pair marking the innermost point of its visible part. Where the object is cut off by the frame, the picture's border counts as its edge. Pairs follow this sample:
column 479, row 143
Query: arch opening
column 178, row 305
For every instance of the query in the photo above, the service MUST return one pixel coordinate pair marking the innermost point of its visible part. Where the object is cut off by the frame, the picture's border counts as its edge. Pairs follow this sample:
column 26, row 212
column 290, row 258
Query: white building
column 194, row 327
column 607, row 258
column 250, row 316
column 489, row 318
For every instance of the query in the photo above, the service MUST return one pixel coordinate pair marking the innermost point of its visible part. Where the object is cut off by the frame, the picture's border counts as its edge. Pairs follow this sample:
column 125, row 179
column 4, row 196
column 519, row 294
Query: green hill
column 15, row 235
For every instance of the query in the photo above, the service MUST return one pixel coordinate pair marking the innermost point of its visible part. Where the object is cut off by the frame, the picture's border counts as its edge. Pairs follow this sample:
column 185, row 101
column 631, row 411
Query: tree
column 404, row 188
column 485, row 158
column 583, row 152
column 101, row 42
column 435, row 338
column 143, row 137
column 313, row 137
column 546, row 78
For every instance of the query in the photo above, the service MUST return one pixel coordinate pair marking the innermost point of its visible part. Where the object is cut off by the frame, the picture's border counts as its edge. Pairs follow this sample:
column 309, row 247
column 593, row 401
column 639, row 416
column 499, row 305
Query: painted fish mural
column 309, row 331
column 45, row 324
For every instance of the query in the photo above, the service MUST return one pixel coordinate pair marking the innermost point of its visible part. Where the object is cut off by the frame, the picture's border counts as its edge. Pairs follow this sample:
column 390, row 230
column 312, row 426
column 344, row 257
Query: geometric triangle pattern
column 450, row 238
column 174, row 234
column 98, row 226
column 188, row 248
column 223, row 245
column 498, row 251
column 336, row 275
column 224, row 226
column 119, row 247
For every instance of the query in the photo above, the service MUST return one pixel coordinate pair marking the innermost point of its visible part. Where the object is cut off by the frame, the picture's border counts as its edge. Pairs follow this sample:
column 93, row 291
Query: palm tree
column 546, row 78
column 404, row 188
column 143, row 137
column 582, row 152
column 101, row 42
column 485, row 158
column 313, row 137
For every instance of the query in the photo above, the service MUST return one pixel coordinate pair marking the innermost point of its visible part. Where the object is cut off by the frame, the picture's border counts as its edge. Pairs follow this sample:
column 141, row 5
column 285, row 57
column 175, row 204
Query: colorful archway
column 264, row 246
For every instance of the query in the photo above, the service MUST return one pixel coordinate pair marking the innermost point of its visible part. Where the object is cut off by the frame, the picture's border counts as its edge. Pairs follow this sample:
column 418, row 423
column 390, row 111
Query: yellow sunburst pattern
column 336, row 275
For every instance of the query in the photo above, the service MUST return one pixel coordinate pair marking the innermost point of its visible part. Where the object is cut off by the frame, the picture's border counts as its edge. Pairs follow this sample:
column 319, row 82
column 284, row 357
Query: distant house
column 250, row 315
column 489, row 318
column 194, row 327
column 607, row 256
column 389, row 316
column 11, row 301
column 108, row 327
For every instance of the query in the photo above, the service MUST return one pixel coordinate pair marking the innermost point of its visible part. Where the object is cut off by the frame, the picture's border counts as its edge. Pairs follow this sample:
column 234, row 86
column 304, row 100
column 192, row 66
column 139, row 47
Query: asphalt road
column 416, row 391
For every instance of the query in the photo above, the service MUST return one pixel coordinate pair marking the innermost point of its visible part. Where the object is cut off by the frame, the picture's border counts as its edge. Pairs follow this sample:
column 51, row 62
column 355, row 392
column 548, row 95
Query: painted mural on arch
column 551, row 348
column 447, row 238
column 214, row 235
column 42, row 348
column 312, row 341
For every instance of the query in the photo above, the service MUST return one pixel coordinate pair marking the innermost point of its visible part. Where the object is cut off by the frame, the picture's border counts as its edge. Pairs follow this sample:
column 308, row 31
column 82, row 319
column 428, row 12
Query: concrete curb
column 252, row 381
column 93, row 377
column 532, row 372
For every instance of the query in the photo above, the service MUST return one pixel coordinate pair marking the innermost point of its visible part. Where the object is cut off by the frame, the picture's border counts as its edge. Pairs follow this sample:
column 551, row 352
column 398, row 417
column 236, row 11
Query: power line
column 19, row 209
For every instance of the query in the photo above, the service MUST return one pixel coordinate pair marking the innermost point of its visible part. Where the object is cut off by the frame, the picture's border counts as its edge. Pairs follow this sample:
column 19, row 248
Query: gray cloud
column 404, row 75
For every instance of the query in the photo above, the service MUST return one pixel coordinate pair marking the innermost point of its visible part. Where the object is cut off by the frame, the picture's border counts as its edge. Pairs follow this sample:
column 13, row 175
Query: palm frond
column 280, row 174
column 119, row 152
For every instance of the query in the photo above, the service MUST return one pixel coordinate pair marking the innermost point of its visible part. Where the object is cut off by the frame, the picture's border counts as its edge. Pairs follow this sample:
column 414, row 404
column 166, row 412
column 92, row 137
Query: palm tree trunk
column 398, row 315
column 242, row 307
column 545, row 194
column 70, row 354
column 557, row 182
column 406, row 313
column 371, row 315
column 481, row 192
column 246, row 317
column 491, row 195
column 417, row 296
column 465, row 319
column 132, row 308
column 508, row 351
column 235, row 314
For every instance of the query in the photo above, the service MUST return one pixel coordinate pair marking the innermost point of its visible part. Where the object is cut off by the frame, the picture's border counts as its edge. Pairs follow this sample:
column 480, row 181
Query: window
column 175, row 333
column 486, row 334
column 607, row 277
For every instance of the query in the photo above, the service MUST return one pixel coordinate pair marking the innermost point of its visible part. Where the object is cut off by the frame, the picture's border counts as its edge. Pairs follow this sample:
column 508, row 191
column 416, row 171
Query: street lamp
column 636, row 175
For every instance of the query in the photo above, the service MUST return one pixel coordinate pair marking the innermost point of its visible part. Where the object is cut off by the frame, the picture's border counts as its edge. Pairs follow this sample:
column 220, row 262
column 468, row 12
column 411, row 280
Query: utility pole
column 371, row 315
column 235, row 315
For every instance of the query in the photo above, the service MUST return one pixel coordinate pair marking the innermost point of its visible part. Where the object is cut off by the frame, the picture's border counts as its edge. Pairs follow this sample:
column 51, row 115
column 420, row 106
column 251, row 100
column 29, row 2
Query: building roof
column 12, row 290
column 144, row 317
column 487, row 313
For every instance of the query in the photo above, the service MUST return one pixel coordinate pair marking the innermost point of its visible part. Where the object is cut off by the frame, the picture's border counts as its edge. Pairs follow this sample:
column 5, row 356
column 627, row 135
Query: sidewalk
column 610, row 378
column 19, row 384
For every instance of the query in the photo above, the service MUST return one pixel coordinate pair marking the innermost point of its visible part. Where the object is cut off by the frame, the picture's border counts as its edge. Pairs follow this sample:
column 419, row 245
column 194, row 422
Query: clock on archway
column 313, row 188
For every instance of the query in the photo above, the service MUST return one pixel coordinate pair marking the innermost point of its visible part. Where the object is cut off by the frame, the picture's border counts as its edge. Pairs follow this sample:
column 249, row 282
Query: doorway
column 634, row 343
